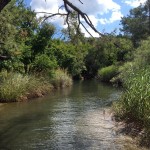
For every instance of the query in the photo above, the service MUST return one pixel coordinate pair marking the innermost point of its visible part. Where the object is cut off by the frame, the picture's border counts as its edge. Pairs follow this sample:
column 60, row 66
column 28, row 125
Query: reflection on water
column 68, row 119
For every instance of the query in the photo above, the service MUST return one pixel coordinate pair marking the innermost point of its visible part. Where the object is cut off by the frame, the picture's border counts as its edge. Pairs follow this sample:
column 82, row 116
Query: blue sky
column 105, row 14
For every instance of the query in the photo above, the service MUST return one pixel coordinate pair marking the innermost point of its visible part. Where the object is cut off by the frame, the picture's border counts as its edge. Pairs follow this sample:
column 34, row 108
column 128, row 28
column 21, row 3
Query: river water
column 74, row 118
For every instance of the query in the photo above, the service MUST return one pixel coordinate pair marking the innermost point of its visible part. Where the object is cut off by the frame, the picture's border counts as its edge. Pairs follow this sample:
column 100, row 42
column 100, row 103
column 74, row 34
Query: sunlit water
column 71, row 119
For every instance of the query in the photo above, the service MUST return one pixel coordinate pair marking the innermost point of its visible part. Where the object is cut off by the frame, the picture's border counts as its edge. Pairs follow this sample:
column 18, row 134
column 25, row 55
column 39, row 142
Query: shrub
column 43, row 63
column 107, row 73
column 61, row 79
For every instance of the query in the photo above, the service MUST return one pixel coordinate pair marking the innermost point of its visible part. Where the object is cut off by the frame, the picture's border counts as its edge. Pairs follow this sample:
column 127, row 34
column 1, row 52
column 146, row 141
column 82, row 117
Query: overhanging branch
column 70, row 8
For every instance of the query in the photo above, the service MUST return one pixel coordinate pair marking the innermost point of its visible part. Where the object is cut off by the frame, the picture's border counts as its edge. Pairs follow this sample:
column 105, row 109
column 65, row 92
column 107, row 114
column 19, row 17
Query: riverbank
column 16, row 87
column 125, row 134
column 131, row 136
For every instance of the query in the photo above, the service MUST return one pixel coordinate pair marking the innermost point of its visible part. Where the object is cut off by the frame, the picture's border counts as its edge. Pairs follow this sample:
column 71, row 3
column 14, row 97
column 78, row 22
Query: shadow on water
column 64, row 120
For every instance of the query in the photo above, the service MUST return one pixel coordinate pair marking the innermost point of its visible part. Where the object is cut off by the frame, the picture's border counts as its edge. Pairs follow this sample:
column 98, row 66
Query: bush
column 142, row 55
column 61, row 79
column 16, row 87
column 43, row 63
column 107, row 73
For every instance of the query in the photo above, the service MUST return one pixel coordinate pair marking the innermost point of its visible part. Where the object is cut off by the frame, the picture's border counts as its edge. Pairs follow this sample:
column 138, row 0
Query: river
column 74, row 118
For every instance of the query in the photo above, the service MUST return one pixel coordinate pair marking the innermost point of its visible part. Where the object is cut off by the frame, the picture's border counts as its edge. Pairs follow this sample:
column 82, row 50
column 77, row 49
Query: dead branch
column 70, row 8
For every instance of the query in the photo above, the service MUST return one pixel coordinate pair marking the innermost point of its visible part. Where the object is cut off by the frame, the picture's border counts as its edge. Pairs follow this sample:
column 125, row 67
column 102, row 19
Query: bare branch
column 82, row 14
column 70, row 9
column 80, row 1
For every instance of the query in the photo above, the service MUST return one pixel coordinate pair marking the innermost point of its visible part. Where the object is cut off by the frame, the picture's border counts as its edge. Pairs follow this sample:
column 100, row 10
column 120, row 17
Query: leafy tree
column 42, row 38
column 137, row 24
column 69, row 56
column 142, row 55
column 43, row 63
column 8, row 31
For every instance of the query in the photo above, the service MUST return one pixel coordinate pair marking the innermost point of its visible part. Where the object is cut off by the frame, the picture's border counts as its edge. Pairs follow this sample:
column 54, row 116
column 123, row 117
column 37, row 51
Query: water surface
column 71, row 119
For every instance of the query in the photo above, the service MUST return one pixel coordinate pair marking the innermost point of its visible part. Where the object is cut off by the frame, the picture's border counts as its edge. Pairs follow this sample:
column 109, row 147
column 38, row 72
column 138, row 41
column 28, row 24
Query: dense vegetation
column 30, row 52
column 134, row 104
column 33, row 59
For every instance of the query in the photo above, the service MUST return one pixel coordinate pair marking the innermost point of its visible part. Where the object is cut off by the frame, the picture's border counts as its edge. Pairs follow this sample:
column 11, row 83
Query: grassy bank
column 61, row 79
column 18, row 87
column 107, row 73
column 134, row 104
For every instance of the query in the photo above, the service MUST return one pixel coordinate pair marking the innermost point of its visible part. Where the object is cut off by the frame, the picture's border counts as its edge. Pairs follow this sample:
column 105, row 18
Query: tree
column 73, row 34
column 137, row 24
column 42, row 38
column 7, row 34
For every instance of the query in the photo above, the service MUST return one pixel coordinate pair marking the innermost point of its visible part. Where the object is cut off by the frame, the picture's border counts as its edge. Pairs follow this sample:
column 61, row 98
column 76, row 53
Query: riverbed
column 75, row 118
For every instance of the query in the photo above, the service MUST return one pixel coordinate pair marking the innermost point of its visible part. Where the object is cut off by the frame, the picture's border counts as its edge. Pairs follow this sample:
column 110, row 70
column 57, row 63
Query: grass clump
column 134, row 104
column 16, row 87
column 61, row 79
column 107, row 73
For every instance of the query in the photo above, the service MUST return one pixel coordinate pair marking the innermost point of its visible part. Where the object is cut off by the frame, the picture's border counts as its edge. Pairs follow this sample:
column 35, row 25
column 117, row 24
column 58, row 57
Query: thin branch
column 70, row 9
column 82, row 14
column 80, row 1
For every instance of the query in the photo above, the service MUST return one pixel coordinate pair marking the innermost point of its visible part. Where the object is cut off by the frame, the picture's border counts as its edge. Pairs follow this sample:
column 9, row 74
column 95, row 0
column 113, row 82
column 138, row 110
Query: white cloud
column 116, row 15
column 134, row 3
column 96, row 10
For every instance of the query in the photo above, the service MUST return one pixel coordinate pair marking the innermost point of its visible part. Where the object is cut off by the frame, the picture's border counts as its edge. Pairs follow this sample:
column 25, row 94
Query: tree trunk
column 3, row 3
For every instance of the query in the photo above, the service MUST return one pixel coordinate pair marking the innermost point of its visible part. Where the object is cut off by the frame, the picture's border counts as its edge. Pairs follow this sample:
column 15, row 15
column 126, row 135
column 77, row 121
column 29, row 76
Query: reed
column 107, row 73
column 15, row 86
column 61, row 79
column 134, row 104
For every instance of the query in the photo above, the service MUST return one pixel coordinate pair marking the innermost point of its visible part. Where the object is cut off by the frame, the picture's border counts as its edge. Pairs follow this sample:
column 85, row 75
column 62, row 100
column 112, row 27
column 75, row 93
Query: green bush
column 107, row 73
column 43, row 63
column 61, row 79
column 142, row 55
column 16, row 87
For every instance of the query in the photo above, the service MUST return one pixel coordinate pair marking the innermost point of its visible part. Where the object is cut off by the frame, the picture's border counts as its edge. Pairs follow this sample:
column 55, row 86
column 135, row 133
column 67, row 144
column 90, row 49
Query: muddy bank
column 131, row 135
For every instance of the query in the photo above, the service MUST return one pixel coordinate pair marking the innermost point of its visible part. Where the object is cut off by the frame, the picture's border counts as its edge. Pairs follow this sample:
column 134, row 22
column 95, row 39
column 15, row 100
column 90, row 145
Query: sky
column 104, row 14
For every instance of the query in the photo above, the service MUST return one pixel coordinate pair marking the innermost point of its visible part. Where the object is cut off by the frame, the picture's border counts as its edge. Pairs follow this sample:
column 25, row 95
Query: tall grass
column 15, row 86
column 61, row 79
column 107, row 73
column 134, row 104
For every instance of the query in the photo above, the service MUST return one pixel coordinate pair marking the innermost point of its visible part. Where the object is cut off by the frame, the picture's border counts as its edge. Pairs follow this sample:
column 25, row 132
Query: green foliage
column 7, row 30
column 14, row 86
column 142, row 56
column 42, row 38
column 107, row 73
column 136, row 24
column 134, row 104
column 61, row 79
column 141, row 59
column 69, row 56
column 107, row 51
column 43, row 63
